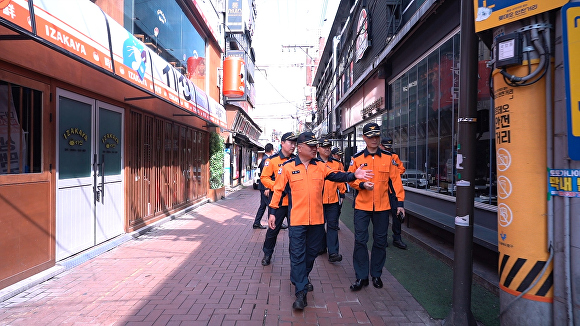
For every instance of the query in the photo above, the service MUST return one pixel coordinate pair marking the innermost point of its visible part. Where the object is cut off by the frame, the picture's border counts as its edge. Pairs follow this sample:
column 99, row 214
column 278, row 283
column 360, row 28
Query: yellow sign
column 520, row 139
column 571, row 42
column 493, row 13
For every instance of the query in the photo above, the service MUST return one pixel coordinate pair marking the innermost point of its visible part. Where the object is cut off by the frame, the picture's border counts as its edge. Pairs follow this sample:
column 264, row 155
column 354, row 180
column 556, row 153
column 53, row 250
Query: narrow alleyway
column 203, row 268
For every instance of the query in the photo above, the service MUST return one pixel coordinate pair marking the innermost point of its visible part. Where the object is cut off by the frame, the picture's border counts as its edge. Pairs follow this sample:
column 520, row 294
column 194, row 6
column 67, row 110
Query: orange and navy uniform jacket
column 332, row 190
column 271, row 166
column 397, row 162
column 304, row 188
column 381, row 163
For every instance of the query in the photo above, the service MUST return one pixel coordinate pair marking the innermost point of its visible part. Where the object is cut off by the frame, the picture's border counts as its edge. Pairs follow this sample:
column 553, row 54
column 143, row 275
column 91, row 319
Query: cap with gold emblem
column 288, row 136
column 371, row 129
column 307, row 138
column 325, row 143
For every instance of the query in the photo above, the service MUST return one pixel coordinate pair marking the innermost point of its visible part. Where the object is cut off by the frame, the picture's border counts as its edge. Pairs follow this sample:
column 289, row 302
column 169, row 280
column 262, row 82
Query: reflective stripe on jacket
column 381, row 163
column 271, row 167
column 304, row 189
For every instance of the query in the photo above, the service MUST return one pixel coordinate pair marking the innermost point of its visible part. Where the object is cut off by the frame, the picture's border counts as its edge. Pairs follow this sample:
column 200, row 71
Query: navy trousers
column 331, row 214
column 305, row 241
column 272, row 235
column 378, row 257
column 264, row 202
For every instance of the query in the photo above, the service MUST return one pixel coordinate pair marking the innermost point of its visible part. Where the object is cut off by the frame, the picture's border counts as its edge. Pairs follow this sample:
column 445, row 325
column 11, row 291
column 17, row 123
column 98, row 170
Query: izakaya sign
column 84, row 31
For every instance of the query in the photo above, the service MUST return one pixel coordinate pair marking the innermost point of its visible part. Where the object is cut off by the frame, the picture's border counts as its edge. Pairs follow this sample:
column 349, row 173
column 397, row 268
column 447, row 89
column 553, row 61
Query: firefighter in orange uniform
column 302, row 179
column 331, row 199
column 372, row 204
column 387, row 145
column 268, row 178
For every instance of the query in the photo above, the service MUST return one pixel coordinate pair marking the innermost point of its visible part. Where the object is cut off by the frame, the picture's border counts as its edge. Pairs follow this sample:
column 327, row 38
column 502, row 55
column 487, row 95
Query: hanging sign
column 493, row 13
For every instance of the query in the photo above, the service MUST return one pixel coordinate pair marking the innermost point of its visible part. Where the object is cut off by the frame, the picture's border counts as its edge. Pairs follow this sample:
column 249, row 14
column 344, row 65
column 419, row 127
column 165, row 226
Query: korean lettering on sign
column 564, row 183
column 502, row 124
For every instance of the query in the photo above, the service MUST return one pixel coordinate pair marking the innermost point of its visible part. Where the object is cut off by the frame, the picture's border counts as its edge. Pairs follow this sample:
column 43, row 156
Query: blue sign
column 564, row 183
column 571, row 40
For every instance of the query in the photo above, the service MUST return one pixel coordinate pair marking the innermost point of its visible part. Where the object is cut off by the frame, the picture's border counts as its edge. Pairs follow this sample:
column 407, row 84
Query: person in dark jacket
column 264, row 198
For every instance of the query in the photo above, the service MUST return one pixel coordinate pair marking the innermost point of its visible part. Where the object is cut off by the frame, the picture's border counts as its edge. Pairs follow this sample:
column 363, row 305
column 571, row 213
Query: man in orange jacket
column 372, row 204
column 302, row 179
column 331, row 199
column 268, row 177
column 387, row 145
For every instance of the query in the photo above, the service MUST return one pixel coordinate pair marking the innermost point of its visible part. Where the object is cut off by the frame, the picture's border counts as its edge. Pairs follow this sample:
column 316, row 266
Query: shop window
column 422, row 120
column 20, row 129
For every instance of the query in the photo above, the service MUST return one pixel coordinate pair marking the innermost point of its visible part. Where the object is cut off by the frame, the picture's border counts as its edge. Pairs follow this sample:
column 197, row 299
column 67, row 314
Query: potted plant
column 216, row 167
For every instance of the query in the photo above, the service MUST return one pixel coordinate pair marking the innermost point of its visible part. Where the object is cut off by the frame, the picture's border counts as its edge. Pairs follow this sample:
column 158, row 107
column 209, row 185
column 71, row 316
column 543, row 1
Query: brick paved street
column 203, row 268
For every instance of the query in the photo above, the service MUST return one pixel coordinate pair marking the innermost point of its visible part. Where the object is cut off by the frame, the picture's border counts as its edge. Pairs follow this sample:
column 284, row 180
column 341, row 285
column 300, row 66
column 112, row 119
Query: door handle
column 96, row 191
column 103, row 177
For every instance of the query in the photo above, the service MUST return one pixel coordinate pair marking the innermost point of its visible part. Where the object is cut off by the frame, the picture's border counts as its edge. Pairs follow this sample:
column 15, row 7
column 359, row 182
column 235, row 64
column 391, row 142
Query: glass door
column 89, row 197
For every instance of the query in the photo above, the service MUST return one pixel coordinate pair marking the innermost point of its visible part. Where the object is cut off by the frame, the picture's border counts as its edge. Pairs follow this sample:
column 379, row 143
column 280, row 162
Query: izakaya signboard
column 16, row 12
column 81, row 29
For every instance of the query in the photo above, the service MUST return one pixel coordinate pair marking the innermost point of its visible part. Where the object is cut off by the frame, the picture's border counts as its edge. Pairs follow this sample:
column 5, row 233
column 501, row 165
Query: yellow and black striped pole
column 525, row 270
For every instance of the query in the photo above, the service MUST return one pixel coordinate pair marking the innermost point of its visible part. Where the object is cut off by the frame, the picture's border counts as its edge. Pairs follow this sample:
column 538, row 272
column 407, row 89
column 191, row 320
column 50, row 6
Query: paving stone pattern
column 203, row 268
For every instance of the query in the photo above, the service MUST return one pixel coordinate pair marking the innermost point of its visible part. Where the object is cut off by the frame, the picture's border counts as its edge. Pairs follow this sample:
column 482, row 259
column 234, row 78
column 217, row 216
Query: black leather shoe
column 359, row 283
column 309, row 287
column 399, row 244
column 300, row 302
column 266, row 260
column 259, row 226
column 333, row 258
column 284, row 226
column 377, row 282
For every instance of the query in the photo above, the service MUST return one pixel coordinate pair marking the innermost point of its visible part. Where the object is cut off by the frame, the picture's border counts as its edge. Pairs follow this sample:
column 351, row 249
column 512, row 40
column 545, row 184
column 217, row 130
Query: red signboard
column 16, row 12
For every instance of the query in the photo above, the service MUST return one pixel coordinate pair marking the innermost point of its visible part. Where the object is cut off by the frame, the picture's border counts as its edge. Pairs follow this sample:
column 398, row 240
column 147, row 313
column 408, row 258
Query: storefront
column 99, row 133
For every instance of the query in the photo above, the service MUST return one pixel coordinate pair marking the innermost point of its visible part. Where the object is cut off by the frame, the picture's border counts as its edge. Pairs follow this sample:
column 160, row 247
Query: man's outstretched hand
column 360, row 173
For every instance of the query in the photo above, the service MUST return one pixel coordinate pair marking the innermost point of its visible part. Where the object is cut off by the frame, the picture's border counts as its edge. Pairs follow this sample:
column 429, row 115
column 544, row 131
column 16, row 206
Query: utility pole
column 467, row 126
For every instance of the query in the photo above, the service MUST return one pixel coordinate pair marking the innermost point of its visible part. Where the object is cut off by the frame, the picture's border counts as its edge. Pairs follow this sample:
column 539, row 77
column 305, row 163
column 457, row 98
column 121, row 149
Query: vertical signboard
column 520, row 138
column 234, row 22
column 571, row 42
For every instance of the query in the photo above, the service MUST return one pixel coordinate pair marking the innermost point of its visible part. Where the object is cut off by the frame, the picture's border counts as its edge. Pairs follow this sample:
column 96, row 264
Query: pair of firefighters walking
column 299, row 191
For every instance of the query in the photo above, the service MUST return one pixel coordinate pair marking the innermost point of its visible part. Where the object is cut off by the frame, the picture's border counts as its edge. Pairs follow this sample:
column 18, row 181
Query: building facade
column 242, row 145
column 106, row 109
column 397, row 63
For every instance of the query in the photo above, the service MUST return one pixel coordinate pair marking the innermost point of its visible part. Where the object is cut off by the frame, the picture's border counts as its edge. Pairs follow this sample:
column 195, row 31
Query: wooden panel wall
column 26, row 232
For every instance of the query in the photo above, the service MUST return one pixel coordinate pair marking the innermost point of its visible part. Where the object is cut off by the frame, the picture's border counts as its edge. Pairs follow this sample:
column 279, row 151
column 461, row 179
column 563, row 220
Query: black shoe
column 399, row 244
column 333, row 258
column 377, row 282
column 266, row 260
column 300, row 302
column 359, row 283
column 322, row 252
column 284, row 226
column 259, row 226
column 309, row 287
